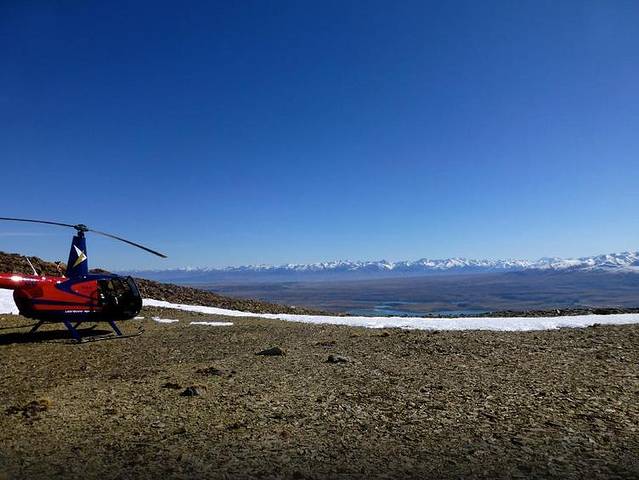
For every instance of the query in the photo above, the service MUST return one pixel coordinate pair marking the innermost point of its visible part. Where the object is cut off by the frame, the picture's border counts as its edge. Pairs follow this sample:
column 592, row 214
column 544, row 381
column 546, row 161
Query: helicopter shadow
column 43, row 336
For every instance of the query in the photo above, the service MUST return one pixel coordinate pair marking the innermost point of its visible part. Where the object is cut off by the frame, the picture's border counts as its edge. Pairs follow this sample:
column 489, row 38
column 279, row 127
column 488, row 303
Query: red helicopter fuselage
column 91, row 297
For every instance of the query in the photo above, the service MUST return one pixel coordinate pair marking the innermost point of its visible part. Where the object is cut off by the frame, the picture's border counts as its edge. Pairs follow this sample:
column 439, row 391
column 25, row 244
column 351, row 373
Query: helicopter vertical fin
column 78, row 264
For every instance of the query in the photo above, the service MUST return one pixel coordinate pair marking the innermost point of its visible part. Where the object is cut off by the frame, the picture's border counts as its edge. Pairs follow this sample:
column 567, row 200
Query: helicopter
column 77, row 296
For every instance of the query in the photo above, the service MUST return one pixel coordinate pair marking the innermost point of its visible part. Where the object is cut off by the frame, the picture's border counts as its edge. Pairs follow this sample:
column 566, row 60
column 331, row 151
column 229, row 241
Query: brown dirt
column 405, row 404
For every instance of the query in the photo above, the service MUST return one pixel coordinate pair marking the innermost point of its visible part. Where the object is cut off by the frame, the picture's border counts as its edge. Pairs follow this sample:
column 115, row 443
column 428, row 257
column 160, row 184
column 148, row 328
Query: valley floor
column 406, row 404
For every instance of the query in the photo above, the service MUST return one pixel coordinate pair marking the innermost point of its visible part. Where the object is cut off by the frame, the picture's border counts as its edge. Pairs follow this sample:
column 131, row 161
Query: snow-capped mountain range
column 613, row 262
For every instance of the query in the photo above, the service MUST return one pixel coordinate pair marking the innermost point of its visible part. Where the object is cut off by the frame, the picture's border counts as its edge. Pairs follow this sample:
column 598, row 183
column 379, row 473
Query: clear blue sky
column 226, row 133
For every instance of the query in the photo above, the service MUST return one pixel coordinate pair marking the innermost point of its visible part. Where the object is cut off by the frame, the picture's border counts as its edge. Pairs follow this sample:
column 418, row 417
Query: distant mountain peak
column 361, row 269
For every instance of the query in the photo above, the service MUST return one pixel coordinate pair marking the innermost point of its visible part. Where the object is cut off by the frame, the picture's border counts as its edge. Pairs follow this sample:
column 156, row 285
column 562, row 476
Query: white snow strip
column 214, row 324
column 7, row 305
column 138, row 318
column 164, row 320
column 505, row 324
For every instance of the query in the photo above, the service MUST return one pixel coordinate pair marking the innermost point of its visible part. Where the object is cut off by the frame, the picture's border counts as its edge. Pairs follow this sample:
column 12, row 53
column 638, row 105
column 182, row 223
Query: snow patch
column 164, row 320
column 7, row 305
column 214, row 324
column 503, row 324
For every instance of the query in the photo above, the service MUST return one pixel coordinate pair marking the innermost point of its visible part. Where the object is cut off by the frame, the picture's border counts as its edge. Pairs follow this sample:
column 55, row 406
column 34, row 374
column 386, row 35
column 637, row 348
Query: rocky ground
column 193, row 401
column 16, row 263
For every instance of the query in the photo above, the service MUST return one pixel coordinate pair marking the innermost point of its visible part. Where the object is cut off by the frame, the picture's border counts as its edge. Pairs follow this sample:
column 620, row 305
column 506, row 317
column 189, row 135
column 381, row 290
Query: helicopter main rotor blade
column 83, row 228
column 38, row 221
column 129, row 242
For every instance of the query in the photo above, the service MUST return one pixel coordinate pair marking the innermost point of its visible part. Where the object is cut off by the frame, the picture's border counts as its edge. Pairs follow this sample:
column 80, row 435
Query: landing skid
column 99, row 338
column 73, row 328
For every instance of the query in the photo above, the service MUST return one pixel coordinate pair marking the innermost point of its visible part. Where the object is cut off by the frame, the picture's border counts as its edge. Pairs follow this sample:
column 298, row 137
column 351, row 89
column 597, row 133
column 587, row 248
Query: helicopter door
column 106, row 293
column 120, row 297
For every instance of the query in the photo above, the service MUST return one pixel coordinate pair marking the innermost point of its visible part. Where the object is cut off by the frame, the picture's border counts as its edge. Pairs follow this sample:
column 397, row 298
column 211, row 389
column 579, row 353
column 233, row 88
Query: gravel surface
column 193, row 401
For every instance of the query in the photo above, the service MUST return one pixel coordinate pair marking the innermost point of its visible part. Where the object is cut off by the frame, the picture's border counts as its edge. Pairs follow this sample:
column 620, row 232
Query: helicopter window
column 120, row 287
column 115, row 288
column 133, row 286
column 119, row 296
